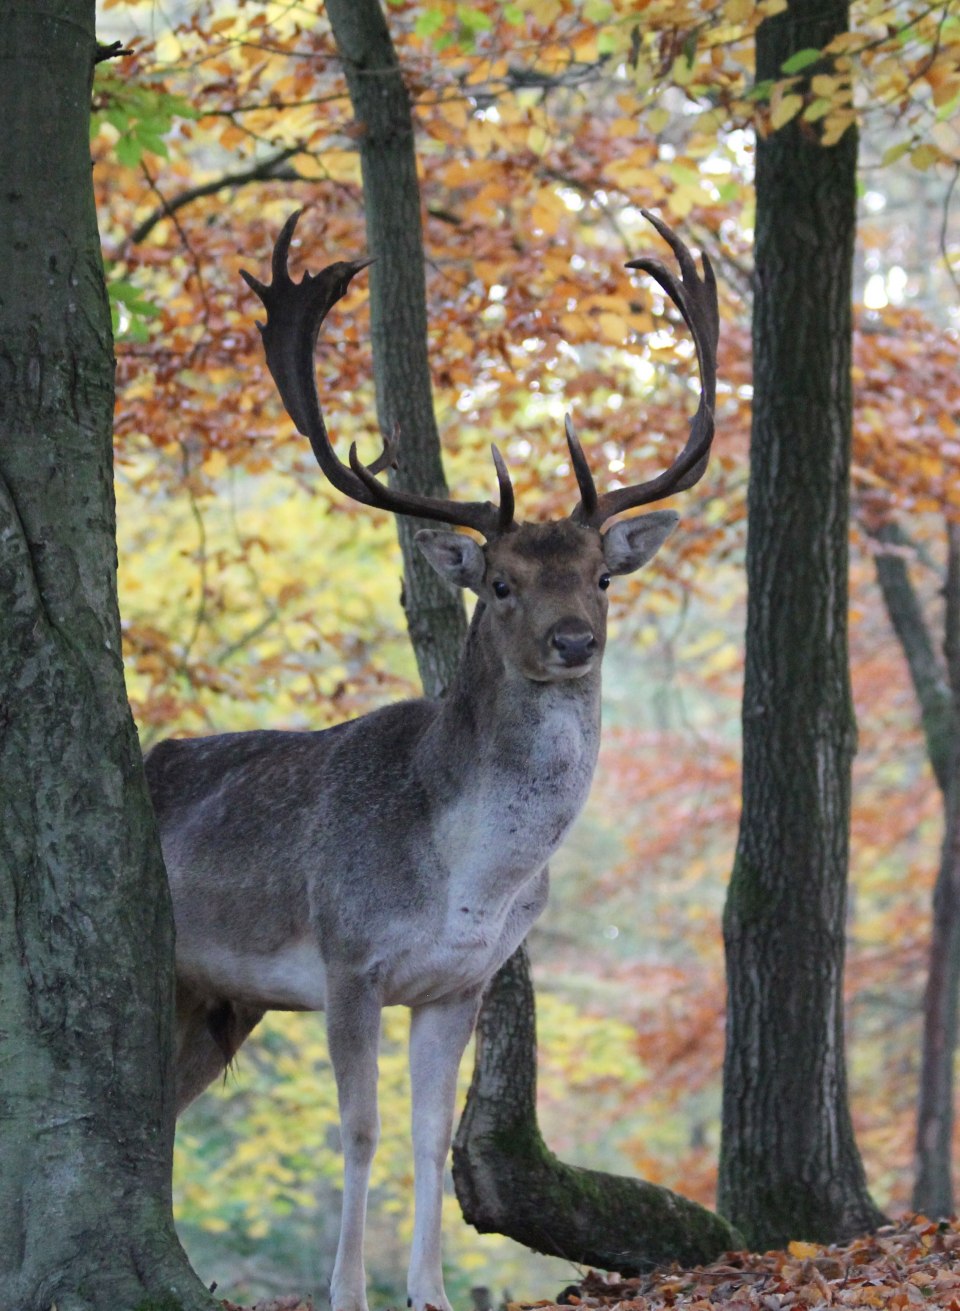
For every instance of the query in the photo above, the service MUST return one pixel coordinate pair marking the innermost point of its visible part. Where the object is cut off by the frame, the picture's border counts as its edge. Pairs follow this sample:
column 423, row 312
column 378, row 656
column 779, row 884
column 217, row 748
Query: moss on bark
column 85, row 926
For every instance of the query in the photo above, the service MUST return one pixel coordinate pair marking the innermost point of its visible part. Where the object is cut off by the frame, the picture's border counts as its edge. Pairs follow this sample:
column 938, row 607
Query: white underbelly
column 291, row 978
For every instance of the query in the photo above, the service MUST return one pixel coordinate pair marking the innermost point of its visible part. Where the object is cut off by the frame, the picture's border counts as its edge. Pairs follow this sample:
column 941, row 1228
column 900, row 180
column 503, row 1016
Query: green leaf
column 130, row 311
column 896, row 152
column 801, row 59
column 430, row 21
column 762, row 90
column 153, row 142
column 475, row 20
column 817, row 109
column 129, row 151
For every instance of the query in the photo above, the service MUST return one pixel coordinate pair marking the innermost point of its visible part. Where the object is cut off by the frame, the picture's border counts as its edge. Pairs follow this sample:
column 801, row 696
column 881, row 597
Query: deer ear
column 455, row 557
column 632, row 542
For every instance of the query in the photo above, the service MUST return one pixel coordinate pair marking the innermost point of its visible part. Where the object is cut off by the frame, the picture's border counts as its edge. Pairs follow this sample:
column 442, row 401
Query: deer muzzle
column 574, row 641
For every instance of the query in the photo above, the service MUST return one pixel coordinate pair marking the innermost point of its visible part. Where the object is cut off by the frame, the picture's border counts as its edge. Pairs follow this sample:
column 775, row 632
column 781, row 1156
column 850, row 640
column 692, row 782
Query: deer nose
column 573, row 640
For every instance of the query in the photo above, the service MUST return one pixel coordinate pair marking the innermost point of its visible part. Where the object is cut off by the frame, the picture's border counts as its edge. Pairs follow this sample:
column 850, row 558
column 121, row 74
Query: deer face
column 544, row 586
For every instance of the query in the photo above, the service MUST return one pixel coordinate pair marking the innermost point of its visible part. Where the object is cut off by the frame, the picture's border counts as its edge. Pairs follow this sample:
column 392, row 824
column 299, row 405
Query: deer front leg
column 438, row 1035
column 353, row 1036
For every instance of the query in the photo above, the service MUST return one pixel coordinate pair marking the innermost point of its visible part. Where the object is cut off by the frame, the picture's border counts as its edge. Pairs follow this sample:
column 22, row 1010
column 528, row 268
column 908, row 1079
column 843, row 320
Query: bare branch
column 268, row 170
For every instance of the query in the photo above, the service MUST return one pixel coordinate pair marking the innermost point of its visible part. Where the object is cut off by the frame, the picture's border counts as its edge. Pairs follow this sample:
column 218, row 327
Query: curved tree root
column 509, row 1182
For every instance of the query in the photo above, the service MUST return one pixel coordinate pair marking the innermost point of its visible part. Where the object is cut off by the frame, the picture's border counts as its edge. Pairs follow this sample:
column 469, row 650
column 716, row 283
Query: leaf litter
column 910, row 1264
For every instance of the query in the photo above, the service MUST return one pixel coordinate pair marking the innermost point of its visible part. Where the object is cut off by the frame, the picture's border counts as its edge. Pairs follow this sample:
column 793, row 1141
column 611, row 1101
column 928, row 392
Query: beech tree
column 936, row 682
column 85, row 926
column 789, row 1165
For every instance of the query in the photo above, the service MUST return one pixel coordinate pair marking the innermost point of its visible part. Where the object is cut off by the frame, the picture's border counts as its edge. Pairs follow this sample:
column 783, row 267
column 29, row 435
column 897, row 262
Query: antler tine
column 486, row 518
column 505, row 514
column 696, row 299
column 295, row 313
column 588, row 488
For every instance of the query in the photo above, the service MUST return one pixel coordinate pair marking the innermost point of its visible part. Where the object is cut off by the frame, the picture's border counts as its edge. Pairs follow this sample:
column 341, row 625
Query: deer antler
column 295, row 311
column 696, row 299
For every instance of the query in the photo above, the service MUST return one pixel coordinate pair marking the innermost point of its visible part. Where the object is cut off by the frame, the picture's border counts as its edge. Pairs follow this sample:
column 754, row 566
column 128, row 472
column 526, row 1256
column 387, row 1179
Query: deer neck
column 497, row 720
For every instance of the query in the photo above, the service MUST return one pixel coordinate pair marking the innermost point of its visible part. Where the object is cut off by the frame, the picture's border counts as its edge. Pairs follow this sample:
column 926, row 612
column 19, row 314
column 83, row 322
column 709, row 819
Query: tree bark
column 509, row 1182
column 933, row 1184
column 789, row 1165
column 398, row 316
column 86, row 1114
column 926, row 672
column 578, row 1206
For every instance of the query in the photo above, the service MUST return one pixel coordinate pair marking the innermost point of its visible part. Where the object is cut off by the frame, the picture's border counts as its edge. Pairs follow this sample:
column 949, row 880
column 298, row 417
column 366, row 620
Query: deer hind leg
column 438, row 1035
column 209, row 1035
column 353, row 1037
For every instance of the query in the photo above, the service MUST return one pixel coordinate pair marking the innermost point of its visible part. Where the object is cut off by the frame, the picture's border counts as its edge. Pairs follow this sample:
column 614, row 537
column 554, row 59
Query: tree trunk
column 578, row 1207
column 86, row 1115
column 398, row 316
column 939, row 696
column 926, row 673
column 509, row 1182
column 789, row 1165
column 933, row 1187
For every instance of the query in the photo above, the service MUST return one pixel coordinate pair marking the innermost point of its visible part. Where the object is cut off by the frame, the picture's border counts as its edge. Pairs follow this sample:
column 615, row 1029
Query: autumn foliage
column 252, row 595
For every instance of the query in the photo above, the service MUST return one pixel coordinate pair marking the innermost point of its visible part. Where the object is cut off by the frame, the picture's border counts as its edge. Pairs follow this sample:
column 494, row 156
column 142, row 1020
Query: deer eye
column 604, row 582
column 501, row 589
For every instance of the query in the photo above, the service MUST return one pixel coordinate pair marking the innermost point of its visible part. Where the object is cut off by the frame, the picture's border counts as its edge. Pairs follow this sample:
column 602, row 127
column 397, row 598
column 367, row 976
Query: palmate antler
column 295, row 311
column 696, row 299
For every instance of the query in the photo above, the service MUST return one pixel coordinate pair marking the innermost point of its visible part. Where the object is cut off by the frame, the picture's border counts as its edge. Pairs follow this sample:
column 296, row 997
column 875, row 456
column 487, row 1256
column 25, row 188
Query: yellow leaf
column 924, row 156
column 612, row 327
column 784, row 110
column 826, row 85
column 680, row 202
column 803, row 1250
column 656, row 120
column 214, row 463
column 834, row 126
column 310, row 166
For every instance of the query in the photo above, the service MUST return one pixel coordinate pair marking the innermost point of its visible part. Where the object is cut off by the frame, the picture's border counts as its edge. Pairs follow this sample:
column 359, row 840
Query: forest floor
column 913, row 1263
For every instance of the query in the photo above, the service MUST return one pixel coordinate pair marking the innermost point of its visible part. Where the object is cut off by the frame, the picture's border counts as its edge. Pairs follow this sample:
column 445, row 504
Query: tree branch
column 267, row 170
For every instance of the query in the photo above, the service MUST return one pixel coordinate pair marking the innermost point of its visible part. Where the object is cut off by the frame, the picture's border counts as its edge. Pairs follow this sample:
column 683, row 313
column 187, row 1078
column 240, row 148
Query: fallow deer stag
column 400, row 858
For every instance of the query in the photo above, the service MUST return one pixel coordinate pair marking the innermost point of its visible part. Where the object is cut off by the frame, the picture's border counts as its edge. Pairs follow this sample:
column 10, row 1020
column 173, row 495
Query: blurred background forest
column 254, row 596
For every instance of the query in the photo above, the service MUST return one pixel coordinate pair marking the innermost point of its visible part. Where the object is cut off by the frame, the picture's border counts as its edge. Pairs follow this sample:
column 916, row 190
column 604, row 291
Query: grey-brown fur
column 396, row 859
column 402, row 857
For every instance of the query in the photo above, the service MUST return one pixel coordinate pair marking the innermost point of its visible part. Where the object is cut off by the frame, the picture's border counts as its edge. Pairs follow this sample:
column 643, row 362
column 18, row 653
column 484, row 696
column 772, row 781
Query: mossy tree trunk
column 86, row 1124
column 509, row 1182
column 789, row 1164
column 585, row 1216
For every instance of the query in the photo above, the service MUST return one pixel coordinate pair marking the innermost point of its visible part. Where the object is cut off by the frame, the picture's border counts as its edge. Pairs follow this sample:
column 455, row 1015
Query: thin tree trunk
column 398, row 314
column 86, row 1123
column 939, row 697
column 933, row 1187
column 789, row 1165
column 926, row 672
column 581, row 1211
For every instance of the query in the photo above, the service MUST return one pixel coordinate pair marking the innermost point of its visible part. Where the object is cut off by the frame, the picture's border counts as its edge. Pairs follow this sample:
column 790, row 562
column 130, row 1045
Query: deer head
column 542, row 586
